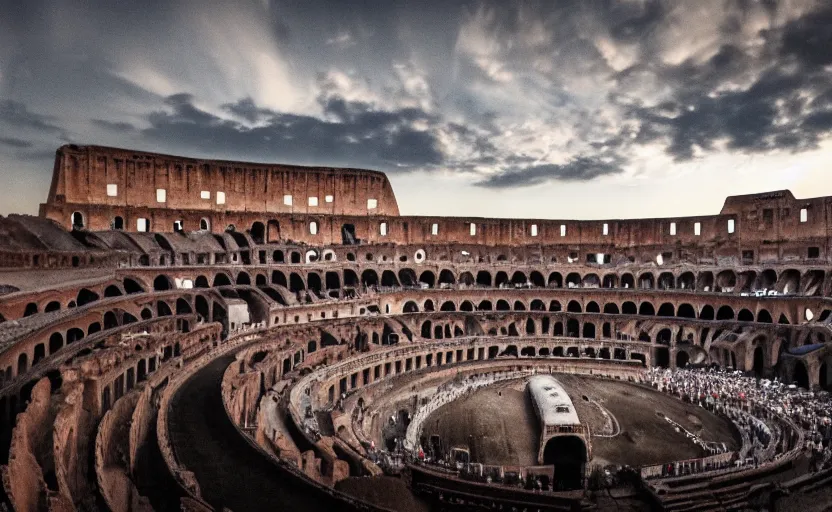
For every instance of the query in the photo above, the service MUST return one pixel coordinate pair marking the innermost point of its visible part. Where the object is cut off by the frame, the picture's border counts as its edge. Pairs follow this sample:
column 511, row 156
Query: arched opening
column 503, row 305
column 537, row 305
column 518, row 279
column 258, row 232
column 555, row 306
column 110, row 320
column 764, row 317
column 313, row 280
column 388, row 278
column 22, row 364
column 117, row 223
column 686, row 281
column 759, row 362
column 573, row 280
column 333, row 280
column 610, row 281
column 296, row 283
column 726, row 281
column 629, row 308
column 519, row 306
column 279, row 278
column 572, row 328
column 611, row 308
column 745, row 316
column 707, row 313
column 52, row 306
column 628, row 281
column 77, row 220
column 568, row 455
column 682, row 359
column 500, row 279
column 592, row 307
column 725, row 313
column 448, row 306
column 131, row 286
column 161, row 283
column 589, row 330
column 407, row 277
column 646, row 308
column 536, row 278
column 56, row 342
column 243, row 278
column 446, row 277
column 484, row 278
column 666, row 309
column 686, row 311
column 112, row 291
column 466, row 305
column 801, row 376
column 427, row 277
column 466, row 278
column 823, row 377
column 410, row 307
column 666, row 281
column 485, row 306
column 369, row 278
column 428, row 305
column 555, row 280
column 645, row 281
column 163, row 309
column 573, row 306
column 86, row 296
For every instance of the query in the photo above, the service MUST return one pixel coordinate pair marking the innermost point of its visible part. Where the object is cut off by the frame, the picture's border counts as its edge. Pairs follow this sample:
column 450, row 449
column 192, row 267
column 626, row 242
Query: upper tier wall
column 82, row 175
column 254, row 193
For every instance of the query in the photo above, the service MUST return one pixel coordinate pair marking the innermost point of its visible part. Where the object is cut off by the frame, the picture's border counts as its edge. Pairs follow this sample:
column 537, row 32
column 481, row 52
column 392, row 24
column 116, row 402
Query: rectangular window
column 606, row 229
column 563, row 230
column 313, row 201
column 534, row 229
column 112, row 189
column 141, row 225
column 730, row 225
column 287, row 200
column 372, row 204
column 434, row 229
column 313, row 228
column 697, row 228
column 804, row 215
column 161, row 195
column 473, row 229
column 382, row 228
column 220, row 197
column 205, row 194
column 329, row 199
column 673, row 228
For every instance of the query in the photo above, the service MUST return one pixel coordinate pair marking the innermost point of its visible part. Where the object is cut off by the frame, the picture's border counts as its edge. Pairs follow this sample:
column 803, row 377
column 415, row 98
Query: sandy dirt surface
column 499, row 425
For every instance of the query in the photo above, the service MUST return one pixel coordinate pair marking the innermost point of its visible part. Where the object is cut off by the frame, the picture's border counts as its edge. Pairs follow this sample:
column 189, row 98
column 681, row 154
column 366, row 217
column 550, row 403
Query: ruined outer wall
column 82, row 173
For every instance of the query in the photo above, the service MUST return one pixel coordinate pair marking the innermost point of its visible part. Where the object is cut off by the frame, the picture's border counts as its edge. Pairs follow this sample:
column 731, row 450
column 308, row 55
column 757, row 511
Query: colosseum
column 186, row 334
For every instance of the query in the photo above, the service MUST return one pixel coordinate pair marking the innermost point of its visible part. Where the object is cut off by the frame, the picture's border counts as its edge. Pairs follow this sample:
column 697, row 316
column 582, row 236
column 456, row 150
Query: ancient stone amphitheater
column 184, row 334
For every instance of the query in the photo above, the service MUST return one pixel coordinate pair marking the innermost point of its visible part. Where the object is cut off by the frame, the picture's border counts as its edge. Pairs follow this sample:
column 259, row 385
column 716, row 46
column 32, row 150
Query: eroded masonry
column 185, row 334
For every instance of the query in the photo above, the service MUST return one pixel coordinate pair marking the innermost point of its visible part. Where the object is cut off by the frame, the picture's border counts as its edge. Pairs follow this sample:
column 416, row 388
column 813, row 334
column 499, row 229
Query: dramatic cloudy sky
column 551, row 109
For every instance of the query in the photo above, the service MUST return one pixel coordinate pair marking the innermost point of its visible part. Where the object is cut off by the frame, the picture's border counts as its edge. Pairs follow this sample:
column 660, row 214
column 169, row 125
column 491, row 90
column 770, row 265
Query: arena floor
column 499, row 425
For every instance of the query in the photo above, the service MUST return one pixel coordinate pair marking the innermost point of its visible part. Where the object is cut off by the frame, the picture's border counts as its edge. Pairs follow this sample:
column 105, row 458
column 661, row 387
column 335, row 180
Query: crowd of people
column 772, row 416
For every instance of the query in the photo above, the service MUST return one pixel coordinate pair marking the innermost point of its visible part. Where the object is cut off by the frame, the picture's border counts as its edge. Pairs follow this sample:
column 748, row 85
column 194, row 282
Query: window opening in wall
column 672, row 228
column 814, row 252
column 563, row 230
column 118, row 223
column 205, row 194
column 204, row 224
column 313, row 228
column 348, row 235
column 220, row 197
column 372, row 204
column 287, row 199
column 534, row 229
column 177, row 226
column 112, row 189
column 606, row 229
column 434, row 229
column 730, row 225
column 142, row 225
column 697, row 228
column 804, row 215
column 473, row 229
column 161, row 195
column 313, row 201
column 382, row 228
column 329, row 199
column 77, row 220
column 748, row 257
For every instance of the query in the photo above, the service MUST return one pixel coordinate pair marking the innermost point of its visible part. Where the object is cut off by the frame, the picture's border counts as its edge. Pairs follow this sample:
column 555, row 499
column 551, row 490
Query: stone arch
column 388, row 278
column 484, row 278
column 369, row 278
column 573, row 280
column 568, row 455
column 592, row 307
column 574, row 307
column 725, row 313
column 646, row 308
column 646, row 281
column 610, row 281
column 555, row 280
column 611, row 308
column 725, row 281
column 666, row 309
column 763, row 316
column 745, row 315
column 296, row 283
column 427, row 277
column 161, row 283
column 686, row 281
column 628, row 281
column 685, row 310
column 591, row 281
column 446, row 277
column 629, row 308
column 536, row 278
column 666, row 281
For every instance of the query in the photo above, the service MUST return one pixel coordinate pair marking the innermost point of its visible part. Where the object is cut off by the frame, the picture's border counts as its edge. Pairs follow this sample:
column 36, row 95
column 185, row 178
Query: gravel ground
column 500, row 426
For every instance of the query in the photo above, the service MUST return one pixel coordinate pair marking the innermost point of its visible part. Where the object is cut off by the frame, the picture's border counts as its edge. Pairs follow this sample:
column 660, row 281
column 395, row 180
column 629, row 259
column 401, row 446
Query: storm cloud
column 496, row 95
